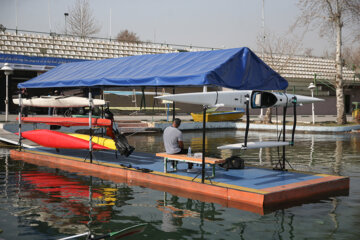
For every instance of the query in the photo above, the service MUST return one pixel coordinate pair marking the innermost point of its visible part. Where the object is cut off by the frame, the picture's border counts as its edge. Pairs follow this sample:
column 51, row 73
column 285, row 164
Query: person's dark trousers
column 183, row 151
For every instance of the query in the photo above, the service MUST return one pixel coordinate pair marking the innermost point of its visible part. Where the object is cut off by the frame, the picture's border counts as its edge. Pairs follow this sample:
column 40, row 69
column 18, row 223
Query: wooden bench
column 185, row 158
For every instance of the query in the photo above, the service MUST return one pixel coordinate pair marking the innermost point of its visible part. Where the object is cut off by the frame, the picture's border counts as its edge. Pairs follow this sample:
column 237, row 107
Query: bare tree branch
column 277, row 52
column 81, row 20
column 275, row 46
column 352, row 58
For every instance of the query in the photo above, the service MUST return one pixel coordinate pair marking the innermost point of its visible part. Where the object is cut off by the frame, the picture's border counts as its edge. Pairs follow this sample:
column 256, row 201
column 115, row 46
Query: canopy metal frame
column 215, row 72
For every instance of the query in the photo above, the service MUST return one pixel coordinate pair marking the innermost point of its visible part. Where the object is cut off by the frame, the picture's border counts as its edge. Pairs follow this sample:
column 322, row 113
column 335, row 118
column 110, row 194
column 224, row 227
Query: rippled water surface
column 44, row 203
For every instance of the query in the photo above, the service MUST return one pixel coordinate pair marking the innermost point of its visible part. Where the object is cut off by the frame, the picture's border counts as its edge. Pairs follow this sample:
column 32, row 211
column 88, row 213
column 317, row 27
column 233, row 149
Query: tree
column 2, row 28
column 330, row 16
column 308, row 52
column 81, row 20
column 127, row 36
column 277, row 52
column 352, row 58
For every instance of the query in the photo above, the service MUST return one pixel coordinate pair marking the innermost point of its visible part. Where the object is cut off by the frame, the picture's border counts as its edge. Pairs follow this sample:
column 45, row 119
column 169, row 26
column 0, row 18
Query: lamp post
column 7, row 70
column 66, row 14
column 311, row 87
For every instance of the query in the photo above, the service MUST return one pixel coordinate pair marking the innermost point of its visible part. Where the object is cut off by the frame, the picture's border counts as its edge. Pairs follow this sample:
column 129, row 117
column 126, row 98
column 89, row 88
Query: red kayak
column 67, row 121
column 53, row 139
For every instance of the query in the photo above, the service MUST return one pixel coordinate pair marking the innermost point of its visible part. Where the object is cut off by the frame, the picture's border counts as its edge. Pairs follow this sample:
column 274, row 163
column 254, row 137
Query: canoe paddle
column 118, row 234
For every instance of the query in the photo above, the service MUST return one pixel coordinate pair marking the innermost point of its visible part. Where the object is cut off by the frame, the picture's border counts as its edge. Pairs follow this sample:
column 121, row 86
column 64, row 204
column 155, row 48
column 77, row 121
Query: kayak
column 106, row 142
column 58, row 101
column 59, row 140
column 239, row 99
column 54, row 139
column 119, row 143
column 68, row 121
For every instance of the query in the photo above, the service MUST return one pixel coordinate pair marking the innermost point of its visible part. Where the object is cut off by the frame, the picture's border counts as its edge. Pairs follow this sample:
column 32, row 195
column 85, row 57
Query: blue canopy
column 237, row 68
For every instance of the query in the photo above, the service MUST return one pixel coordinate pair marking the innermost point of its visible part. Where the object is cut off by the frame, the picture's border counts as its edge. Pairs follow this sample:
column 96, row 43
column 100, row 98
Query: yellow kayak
column 106, row 142
column 218, row 116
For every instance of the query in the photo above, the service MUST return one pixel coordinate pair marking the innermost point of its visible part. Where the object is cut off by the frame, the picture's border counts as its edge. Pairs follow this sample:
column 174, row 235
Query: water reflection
column 260, row 152
column 49, row 203
column 355, row 142
column 65, row 204
column 338, row 155
column 312, row 150
column 318, row 153
column 6, row 176
column 333, row 215
column 174, row 211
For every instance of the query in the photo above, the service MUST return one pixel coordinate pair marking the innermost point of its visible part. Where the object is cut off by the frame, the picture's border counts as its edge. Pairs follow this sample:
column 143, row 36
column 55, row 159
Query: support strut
column 247, row 120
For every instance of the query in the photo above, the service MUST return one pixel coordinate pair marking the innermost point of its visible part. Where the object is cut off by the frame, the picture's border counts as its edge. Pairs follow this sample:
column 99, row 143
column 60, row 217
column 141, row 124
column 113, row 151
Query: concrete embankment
column 157, row 123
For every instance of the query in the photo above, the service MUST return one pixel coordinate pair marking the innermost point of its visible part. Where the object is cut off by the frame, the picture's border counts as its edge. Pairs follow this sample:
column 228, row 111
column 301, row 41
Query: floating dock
column 253, row 189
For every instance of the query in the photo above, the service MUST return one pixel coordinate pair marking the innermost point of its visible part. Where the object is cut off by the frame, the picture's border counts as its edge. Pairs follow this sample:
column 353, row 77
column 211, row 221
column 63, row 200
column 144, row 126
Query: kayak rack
column 281, row 164
column 91, row 105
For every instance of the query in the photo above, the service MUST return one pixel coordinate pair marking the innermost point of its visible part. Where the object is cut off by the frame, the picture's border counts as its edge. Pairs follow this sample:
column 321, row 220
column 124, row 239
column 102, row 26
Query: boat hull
column 58, row 101
column 68, row 122
column 218, row 116
column 106, row 142
column 53, row 139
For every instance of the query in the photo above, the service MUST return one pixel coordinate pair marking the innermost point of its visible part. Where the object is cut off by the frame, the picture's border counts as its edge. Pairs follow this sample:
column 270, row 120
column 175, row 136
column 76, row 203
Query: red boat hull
column 67, row 121
column 53, row 139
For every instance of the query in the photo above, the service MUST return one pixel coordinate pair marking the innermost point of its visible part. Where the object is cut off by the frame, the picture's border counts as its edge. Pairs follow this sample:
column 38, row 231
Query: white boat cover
column 58, row 101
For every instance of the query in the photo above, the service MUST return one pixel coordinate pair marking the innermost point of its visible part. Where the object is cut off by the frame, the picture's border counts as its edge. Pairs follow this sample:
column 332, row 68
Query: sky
column 206, row 23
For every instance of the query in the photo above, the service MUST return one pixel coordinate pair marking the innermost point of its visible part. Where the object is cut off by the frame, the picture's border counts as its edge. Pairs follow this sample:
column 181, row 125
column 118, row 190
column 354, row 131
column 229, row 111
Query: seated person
column 173, row 140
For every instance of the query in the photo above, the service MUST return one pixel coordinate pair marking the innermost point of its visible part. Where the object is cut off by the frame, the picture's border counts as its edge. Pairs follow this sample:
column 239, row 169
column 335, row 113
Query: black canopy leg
column 294, row 124
column 247, row 120
column 203, row 146
column 173, row 106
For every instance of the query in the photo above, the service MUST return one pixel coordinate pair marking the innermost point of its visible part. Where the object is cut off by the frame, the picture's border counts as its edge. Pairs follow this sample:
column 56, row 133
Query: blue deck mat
column 250, row 177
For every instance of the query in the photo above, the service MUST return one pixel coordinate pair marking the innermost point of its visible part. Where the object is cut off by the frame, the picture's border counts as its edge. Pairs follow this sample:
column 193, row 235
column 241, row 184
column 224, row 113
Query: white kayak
column 58, row 101
column 257, row 99
column 254, row 145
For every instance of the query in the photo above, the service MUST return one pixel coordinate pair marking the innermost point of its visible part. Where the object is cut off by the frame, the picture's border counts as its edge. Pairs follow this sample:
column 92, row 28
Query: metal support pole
column 7, row 98
column 90, row 125
column 315, row 83
column 167, row 112
column 102, row 110
column 20, row 113
column 66, row 14
column 247, row 120
column 313, row 107
column 284, row 137
column 294, row 124
column 284, row 122
column 7, row 71
column 203, row 146
column 173, row 106
column 143, row 101
column 312, row 87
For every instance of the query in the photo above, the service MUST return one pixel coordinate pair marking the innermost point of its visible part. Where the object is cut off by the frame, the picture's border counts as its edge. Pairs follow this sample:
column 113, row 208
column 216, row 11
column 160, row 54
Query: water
column 43, row 203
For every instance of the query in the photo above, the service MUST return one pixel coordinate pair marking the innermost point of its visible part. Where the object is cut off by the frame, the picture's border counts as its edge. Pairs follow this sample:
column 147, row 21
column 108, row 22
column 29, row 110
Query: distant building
column 300, row 71
column 31, row 54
